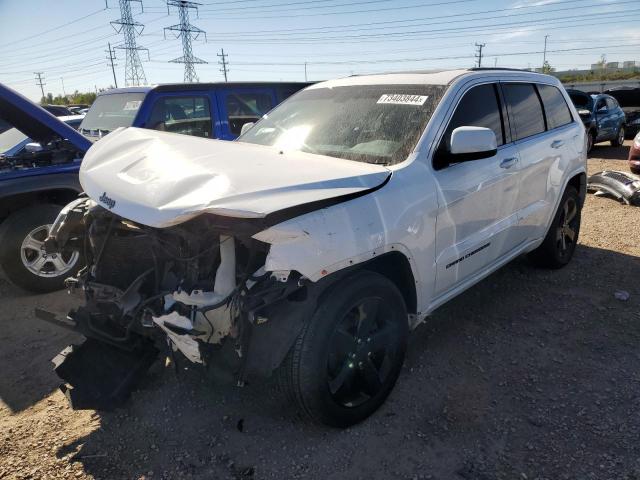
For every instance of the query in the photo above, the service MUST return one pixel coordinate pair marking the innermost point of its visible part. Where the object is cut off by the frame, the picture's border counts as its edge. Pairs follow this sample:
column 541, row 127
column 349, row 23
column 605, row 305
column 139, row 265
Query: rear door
column 476, row 213
column 242, row 105
column 187, row 113
column 545, row 134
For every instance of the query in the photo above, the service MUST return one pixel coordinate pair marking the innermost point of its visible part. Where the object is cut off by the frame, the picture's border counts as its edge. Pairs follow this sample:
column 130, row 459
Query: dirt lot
column 529, row 375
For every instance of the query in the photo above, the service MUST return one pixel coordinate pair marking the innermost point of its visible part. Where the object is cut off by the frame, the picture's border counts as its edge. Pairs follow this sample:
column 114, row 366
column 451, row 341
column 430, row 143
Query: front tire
column 560, row 242
column 348, row 357
column 619, row 140
column 22, row 256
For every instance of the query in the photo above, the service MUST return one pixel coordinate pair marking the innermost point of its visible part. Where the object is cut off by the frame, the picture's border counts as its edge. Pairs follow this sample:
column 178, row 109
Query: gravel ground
column 531, row 374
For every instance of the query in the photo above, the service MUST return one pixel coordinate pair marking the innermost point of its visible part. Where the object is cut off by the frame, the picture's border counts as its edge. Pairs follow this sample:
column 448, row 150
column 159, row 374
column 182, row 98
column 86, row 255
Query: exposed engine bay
column 57, row 152
column 198, row 288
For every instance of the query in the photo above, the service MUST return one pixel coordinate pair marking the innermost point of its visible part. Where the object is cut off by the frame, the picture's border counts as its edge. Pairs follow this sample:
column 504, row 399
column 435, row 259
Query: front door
column 476, row 215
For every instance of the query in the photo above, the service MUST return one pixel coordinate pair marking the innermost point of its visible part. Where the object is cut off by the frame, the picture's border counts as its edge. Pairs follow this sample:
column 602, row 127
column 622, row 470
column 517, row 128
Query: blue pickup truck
column 36, row 182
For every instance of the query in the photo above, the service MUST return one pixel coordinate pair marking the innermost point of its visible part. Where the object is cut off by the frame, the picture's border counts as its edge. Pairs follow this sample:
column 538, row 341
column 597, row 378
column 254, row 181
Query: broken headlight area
column 198, row 289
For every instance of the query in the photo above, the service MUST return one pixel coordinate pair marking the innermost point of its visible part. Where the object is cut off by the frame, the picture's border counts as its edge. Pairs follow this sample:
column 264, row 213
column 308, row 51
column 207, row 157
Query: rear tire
column 560, row 243
column 591, row 140
column 21, row 257
column 349, row 355
column 619, row 140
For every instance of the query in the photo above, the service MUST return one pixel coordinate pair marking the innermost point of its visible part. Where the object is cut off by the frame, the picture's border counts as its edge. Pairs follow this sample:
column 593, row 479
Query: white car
column 315, row 243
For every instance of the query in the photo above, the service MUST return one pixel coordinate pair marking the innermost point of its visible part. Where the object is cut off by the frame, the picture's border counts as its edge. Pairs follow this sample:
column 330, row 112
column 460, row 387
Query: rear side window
column 555, row 106
column 611, row 103
column 184, row 115
column 247, row 107
column 525, row 109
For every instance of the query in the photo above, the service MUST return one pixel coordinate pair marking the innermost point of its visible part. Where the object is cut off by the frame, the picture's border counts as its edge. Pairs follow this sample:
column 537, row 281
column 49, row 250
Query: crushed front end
column 197, row 290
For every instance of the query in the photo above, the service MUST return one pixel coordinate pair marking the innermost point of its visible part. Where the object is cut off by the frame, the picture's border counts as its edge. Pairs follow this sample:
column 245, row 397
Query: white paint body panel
column 433, row 218
column 161, row 179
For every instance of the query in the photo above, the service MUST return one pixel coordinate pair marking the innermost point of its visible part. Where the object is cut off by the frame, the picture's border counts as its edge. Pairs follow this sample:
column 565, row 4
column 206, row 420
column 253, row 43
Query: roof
column 430, row 77
column 163, row 87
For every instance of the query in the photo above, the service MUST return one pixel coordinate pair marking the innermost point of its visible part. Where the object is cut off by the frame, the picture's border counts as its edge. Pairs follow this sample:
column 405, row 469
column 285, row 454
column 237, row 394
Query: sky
column 265, row 40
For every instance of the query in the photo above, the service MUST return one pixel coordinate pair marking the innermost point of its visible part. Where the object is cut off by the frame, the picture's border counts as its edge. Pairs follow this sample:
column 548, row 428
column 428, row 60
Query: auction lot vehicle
column 310, row 247
column 36, row 180
column 602, row 117
column 209, row 110
column 35, row 186
column 629, row 100
column 634, row 155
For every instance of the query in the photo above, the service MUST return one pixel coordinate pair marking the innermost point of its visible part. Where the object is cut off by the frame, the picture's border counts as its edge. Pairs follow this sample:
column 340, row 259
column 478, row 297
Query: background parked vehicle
column 634, row 155
column 209, row 110
column 629, row 100
column 58, row 110
column 602, row 117
column 34, row 184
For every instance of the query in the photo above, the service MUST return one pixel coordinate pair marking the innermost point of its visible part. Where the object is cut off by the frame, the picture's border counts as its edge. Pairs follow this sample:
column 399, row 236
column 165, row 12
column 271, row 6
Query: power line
column 39, row 81
column 435, row 20
column 223, row 62
column 396, row 8
column 39, row 34
column 133, row 71
column 186, row 31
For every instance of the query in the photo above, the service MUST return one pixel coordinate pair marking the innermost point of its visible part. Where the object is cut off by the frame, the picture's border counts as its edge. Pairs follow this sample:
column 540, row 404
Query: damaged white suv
column 315, row 243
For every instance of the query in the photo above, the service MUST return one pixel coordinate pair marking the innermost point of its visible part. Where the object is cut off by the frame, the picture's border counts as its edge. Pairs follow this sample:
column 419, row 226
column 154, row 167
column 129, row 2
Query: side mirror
column 472, row 143
column 246, row 127
column 33, row 147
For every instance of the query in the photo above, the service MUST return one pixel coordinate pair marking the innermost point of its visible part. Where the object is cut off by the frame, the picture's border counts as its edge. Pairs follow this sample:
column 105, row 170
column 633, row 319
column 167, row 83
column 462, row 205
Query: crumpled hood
column 161, row 179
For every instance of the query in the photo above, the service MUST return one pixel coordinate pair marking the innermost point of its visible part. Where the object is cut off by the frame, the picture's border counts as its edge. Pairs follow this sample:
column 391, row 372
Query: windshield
column 367, row 123
column 111, row 111
column 10, row 139
column 581, row 100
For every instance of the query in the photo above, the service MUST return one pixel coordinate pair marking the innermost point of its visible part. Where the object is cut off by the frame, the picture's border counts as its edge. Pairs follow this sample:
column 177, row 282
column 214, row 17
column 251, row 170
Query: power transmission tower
column 544, row 55
column 187, row 32
column 133, row 71
column 223, row 62
column 478, row 55
column 40, row 82
column 112, row 56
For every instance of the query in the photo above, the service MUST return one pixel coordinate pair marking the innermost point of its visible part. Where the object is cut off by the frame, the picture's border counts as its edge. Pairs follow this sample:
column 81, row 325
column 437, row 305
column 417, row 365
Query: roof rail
column 475, row 69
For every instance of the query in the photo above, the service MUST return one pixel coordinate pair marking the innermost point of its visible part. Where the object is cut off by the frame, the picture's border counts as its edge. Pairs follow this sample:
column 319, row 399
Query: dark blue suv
column 210, row 110
column 35, row 184
column 602, row 117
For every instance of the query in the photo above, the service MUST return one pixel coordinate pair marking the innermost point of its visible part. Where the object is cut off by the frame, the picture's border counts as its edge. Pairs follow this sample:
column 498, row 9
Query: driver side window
column 479, row 107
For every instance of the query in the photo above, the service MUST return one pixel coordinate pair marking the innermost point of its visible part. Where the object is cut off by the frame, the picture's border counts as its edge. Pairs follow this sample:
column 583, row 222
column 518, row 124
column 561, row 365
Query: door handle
column 508, row 162
column 557, row 143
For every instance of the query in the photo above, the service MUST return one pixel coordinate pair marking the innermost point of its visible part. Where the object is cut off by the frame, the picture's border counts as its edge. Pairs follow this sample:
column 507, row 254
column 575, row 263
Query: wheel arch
column 395, row 266
column 579, row 182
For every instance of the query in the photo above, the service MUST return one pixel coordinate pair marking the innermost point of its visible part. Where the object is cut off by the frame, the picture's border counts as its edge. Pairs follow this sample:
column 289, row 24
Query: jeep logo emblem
column 109, row 202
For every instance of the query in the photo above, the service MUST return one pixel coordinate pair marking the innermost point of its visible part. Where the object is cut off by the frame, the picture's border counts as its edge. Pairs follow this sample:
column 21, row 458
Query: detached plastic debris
column 620, row 185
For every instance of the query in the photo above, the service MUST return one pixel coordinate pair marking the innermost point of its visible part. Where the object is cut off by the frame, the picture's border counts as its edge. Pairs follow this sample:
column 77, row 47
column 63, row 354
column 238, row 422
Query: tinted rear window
column 525, row 109
column 555, row 106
